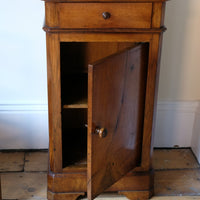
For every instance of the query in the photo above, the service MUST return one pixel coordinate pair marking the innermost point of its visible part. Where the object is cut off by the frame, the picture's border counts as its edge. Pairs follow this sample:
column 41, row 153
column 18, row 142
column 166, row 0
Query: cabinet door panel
column 116, row 95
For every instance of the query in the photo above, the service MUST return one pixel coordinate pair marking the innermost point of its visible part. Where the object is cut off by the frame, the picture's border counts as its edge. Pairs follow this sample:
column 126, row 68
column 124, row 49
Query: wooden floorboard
column 177, row 176
column 177, row 182
column 177, row 198
column 36, row 161
column 11, row 161
column 174, row 159
column 114, row 197
column 24, row 186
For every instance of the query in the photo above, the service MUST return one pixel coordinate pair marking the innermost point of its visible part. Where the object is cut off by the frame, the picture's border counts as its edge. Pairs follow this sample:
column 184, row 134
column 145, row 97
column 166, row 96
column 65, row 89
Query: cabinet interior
column 75, row 57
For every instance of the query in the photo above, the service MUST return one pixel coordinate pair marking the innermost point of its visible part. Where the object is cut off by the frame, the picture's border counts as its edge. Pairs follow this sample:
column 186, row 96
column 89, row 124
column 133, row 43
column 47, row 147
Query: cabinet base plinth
column 137, row 195
column 66, row 186
column 132, row 195
column 63, row 196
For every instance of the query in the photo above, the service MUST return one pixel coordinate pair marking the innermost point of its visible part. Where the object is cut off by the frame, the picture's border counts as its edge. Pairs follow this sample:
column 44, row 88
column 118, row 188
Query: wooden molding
column 99, row 1
column 125, row 30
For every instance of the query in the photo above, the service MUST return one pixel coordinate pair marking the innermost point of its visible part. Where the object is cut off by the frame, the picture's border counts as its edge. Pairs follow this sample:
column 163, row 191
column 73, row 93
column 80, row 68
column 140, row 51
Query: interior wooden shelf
column 77, row 166
column 77, row 104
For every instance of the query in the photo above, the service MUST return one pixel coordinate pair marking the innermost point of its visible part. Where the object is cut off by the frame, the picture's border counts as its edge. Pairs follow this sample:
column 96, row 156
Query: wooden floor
column 177, row 175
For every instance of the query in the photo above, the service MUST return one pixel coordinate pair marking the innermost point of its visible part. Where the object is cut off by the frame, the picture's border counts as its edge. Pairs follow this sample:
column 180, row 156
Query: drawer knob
column 106, row 15
column 101, row 132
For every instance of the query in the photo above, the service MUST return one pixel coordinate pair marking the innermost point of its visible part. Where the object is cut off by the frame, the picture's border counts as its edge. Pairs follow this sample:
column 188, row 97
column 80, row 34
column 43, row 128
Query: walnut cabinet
column 103, row 67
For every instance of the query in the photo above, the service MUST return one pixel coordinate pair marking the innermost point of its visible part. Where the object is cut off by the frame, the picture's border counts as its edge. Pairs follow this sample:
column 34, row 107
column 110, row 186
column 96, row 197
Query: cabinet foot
column 137, row 195
column 64, row 196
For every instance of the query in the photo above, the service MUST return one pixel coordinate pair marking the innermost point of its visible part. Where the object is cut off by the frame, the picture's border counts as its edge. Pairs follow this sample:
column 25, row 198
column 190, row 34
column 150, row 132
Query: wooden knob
column 101, row 132
column 106, row 15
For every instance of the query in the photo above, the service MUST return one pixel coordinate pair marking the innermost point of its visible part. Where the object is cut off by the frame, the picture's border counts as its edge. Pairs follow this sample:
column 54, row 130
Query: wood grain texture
column 0, row 189
column 159, row 48
column 51, row 14
column 112, row 1
column 130, row 21
column 77, row 182
column 122, row 197
column 24, row 185
column 36, row 161
column 89, row 15
column 63, row 196
column 134, row 181
column 177, row 182
column 94, row 51
column 67, row 182
column 164, row 159
column 11, row 161
column 177, row 198
column 54, row 102
column 76, row 105
column 88, row 52
column 100, row 30
column 166, row 184
column 117, row 105
column 157, row 15
column 150, row 101
column 137, row 195
column 105, row 37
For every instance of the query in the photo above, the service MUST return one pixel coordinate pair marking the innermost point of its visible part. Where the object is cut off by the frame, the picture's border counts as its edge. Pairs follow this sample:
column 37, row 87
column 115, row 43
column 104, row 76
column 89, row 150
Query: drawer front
column 105, row 15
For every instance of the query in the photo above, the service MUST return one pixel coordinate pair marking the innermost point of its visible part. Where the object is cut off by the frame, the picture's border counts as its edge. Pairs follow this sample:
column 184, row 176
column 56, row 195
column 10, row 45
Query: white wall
column 180, row 66
column 22, row 52
column 22, row 75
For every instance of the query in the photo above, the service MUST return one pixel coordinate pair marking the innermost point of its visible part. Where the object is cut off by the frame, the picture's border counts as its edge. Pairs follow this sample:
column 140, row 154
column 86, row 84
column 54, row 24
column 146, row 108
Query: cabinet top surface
column 139, row 1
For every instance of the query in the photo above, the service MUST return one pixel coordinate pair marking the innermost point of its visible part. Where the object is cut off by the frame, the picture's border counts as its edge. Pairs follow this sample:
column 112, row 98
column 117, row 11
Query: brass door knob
column 106, row 15
column 101, row 132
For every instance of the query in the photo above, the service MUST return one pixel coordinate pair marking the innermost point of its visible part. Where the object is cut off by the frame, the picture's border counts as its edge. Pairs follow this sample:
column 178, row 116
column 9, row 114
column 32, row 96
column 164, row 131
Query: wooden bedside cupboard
column 103, row 67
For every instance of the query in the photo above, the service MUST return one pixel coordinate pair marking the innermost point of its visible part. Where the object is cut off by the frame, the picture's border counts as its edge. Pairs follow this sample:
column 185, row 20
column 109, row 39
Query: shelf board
column 82, row 103
column 80, row 166
column 75, row 106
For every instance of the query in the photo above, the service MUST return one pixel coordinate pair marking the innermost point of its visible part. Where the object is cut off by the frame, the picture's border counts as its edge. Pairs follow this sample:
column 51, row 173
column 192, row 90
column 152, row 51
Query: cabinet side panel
column 150, row 101
column 51, row 14
column 54, row 102
column 158, row 14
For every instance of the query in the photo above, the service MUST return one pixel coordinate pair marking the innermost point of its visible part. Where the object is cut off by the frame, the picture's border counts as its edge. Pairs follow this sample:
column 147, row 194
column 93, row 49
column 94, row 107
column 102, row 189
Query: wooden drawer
column 90, row 15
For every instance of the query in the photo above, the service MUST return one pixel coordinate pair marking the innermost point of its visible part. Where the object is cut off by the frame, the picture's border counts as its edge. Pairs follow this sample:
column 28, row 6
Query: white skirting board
column 23, row 127
column 26, row 126
column 178, row 125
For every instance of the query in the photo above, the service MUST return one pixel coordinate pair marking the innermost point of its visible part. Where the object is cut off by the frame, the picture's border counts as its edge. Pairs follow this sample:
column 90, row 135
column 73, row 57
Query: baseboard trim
column 178, row 106
column 177, row 125
column 23, row 107
column 23, row 126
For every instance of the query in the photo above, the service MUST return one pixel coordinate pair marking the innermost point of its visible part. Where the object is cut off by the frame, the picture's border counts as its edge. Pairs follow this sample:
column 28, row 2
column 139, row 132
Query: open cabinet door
column 116, row 96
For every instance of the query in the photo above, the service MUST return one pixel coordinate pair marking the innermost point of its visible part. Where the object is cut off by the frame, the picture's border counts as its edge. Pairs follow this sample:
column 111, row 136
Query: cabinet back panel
column 74, row 136
column 77, row 55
